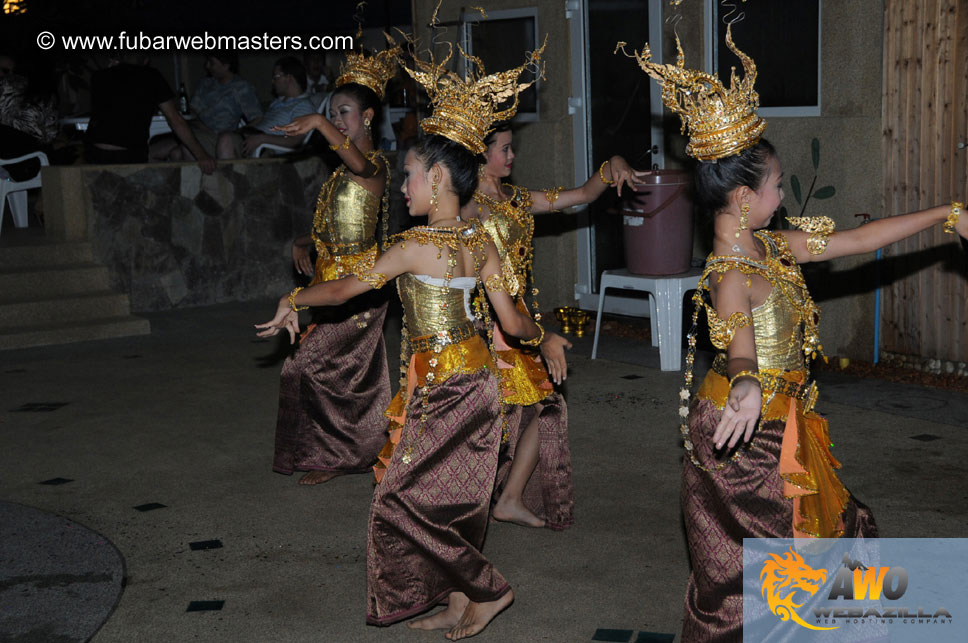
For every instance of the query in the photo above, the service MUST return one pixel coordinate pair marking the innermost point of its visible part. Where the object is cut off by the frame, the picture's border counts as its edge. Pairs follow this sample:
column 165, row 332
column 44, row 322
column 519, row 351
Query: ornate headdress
column 466, row 108
column 370, row 71
column 721, row 122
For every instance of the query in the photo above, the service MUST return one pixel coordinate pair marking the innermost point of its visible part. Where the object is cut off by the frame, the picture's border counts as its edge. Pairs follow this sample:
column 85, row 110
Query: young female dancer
column 429, row 514
column 537, row 415
column 758, row 457
column 335, row 386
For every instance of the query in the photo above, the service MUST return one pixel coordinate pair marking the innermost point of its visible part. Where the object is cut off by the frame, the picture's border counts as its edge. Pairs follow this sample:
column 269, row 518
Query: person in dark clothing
column 124, row 97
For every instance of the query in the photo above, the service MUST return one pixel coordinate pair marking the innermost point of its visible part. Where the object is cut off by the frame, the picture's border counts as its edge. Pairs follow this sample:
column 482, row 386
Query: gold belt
column 442, row 338
column 343, row 249
column 776, row 383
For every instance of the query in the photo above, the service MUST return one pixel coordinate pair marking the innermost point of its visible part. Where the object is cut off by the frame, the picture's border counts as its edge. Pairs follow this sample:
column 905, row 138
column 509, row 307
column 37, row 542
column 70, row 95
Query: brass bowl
column 563, row 315
column 579, row 319
column 573, row 320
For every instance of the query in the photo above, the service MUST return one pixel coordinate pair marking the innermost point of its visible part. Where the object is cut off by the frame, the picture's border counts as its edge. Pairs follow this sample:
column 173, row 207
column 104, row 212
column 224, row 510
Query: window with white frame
column 783, row 38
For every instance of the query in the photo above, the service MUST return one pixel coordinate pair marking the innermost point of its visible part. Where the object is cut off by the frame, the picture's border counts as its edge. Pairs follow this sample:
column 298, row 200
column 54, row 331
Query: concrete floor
column 185, row 417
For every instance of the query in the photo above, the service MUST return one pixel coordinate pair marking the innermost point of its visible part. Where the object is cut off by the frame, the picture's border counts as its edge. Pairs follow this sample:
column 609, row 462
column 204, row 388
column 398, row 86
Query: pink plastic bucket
column 658, row 225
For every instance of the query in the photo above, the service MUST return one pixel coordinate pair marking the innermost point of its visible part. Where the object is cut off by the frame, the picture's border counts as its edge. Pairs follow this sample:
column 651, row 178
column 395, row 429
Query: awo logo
column 783, row 577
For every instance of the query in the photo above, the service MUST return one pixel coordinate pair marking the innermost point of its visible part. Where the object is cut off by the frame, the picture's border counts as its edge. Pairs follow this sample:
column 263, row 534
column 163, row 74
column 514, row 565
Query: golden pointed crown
column 464, row 109
column 370, row 71
column 721, row 122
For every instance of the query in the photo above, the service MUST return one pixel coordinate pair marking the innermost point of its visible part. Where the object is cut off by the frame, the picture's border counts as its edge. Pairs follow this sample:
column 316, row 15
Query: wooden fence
column 925, row 117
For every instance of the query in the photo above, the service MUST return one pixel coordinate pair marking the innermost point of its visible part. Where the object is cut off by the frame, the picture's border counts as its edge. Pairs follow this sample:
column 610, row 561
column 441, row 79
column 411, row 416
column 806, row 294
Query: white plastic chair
column 322, row 108
column 14, row 193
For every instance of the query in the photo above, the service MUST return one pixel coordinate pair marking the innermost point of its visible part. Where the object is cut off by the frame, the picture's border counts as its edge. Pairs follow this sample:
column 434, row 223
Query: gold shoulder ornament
column 820, row 229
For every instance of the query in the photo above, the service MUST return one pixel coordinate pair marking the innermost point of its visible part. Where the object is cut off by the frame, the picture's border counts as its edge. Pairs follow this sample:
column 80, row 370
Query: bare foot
column 515, row 511
column 317, row 477
column 445, row 619
column 477, row 616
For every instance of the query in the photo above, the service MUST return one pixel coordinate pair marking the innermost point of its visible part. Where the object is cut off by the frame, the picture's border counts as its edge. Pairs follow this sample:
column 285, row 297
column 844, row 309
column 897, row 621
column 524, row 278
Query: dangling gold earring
column 744, row 218
column 433, row 196
column 481, row 174
column 366, row 123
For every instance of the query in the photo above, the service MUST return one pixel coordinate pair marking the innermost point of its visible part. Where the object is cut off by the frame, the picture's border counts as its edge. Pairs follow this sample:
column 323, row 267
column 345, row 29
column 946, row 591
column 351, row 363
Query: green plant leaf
column 825, row 192
column 795, row 186
column 815, row 149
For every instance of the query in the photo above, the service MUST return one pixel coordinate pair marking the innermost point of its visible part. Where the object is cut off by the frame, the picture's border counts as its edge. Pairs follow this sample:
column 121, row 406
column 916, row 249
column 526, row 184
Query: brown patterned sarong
column 744, row 499
column 550, row 492
column 428, row 516
column 529, row 395
column 333, row 392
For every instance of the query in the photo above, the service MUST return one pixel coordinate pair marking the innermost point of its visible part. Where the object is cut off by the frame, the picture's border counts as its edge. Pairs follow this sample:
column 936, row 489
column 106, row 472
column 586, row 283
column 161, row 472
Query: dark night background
column 181, row 17
column 18, row 33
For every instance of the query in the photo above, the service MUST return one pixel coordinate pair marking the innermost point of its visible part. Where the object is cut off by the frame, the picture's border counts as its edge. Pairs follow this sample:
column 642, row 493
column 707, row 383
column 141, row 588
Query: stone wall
column 174, row 237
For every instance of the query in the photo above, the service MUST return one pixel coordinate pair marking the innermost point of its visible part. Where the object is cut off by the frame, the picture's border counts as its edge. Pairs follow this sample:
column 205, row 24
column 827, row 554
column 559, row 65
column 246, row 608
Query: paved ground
column 185, row 417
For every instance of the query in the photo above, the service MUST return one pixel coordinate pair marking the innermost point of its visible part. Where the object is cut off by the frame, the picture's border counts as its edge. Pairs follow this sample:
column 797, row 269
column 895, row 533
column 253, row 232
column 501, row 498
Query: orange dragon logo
column 786, row 575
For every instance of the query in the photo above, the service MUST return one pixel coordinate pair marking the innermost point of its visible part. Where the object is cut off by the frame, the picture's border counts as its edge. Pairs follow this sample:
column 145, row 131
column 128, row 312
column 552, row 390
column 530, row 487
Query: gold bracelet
column 752, row 374
column 601, row 172
column 952, row 220
column 292, row 300
column 344, row 146
column 537, row 340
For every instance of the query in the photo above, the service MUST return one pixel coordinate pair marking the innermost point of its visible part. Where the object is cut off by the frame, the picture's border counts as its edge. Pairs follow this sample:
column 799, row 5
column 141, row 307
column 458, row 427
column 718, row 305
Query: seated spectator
column 28, row 121
column 124, row 98
column 316, row 80
column 219, row 102
column 289, row 85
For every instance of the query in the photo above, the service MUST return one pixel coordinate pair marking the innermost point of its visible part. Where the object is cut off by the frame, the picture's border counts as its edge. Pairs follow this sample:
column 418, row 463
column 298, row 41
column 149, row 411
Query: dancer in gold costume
column 336, row 385
column 758, row 457
column 429, row 514
column 534, row 486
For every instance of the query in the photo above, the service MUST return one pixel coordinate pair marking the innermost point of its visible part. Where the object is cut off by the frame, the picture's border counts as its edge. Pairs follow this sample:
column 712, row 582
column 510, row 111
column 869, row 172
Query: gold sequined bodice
column 778, row 330
column 346, row 212
column 511, row 226
column 430, row 309
column 786, row 324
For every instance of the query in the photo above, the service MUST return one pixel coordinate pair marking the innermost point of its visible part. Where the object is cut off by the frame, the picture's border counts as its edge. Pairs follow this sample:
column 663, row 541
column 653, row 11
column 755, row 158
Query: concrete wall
column 849, row 130
column 544, row 148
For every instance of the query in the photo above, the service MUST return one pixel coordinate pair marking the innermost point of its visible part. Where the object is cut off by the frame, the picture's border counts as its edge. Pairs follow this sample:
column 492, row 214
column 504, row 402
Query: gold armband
column 496, row 283
column 344, row 146
column 817, row 243
column 820, row 229
column 733, row 379
column 375, row 279
column 721, row 331
column 601, row 173
column 952, row 220
column 537, row 340
column 552, row 195
column 292, row 300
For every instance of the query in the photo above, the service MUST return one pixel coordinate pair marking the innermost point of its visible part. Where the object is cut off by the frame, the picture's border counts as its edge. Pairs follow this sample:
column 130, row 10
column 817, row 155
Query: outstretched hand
column 300, row 125
column 623, row 174
column 285, row 319
column 553, row 353
column 740, row 415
